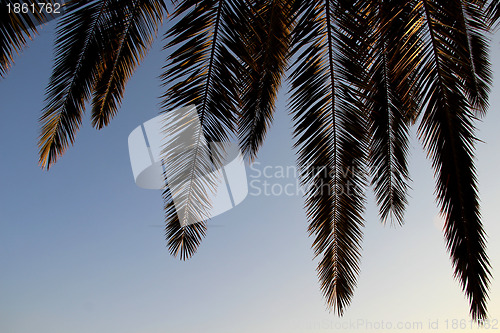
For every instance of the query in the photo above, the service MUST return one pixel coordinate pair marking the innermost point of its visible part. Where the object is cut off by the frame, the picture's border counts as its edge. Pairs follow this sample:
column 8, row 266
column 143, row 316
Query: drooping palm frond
column 16, row 29
column 137, row 23
column 98, row 42
column 182, row 180
column 78, row 49
column 328, row 107
column 447, row 131
column 264, row 51
column 200, row 71
column 393, row 102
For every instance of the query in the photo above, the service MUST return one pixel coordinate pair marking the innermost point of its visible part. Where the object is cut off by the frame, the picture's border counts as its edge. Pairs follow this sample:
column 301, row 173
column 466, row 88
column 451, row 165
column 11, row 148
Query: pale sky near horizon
column 82, row 248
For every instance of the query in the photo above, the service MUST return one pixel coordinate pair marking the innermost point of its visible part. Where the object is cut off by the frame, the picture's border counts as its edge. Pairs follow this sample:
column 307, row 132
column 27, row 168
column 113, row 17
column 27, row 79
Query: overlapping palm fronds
column 361, row 74
column 98, row 46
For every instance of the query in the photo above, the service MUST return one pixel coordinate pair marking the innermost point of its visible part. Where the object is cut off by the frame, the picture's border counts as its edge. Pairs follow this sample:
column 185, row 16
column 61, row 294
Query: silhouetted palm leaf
column 330, row 129
column 447, row 131
column 200, row 71
column 135, row 26
column 264, row 51
column 394, row 102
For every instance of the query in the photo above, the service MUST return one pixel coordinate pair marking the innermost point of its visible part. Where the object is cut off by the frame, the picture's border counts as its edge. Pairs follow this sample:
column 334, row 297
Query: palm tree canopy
column 360, row 73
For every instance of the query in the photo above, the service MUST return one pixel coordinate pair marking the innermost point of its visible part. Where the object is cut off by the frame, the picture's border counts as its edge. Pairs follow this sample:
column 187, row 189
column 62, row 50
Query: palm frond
column 81, row 40
column 330, row 130
column 394, row 101
column 200, row 71
column 264, row 40
column 137, row 23
column 447, row 131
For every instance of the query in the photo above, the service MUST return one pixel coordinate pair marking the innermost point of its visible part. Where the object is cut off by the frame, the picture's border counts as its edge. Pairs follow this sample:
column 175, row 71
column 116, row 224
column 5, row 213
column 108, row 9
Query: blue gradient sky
column 82, row 248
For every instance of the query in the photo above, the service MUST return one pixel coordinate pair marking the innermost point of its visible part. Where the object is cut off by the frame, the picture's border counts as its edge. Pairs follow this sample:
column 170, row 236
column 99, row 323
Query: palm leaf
column 200, row 71
column 137, row 22
column 394, row 101
column 447, row 131
column 264, row 42
column 80, row 43
column 330, row 131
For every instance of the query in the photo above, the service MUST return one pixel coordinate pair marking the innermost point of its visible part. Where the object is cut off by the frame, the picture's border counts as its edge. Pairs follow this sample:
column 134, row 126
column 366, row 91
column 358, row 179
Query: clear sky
column 82, row 248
